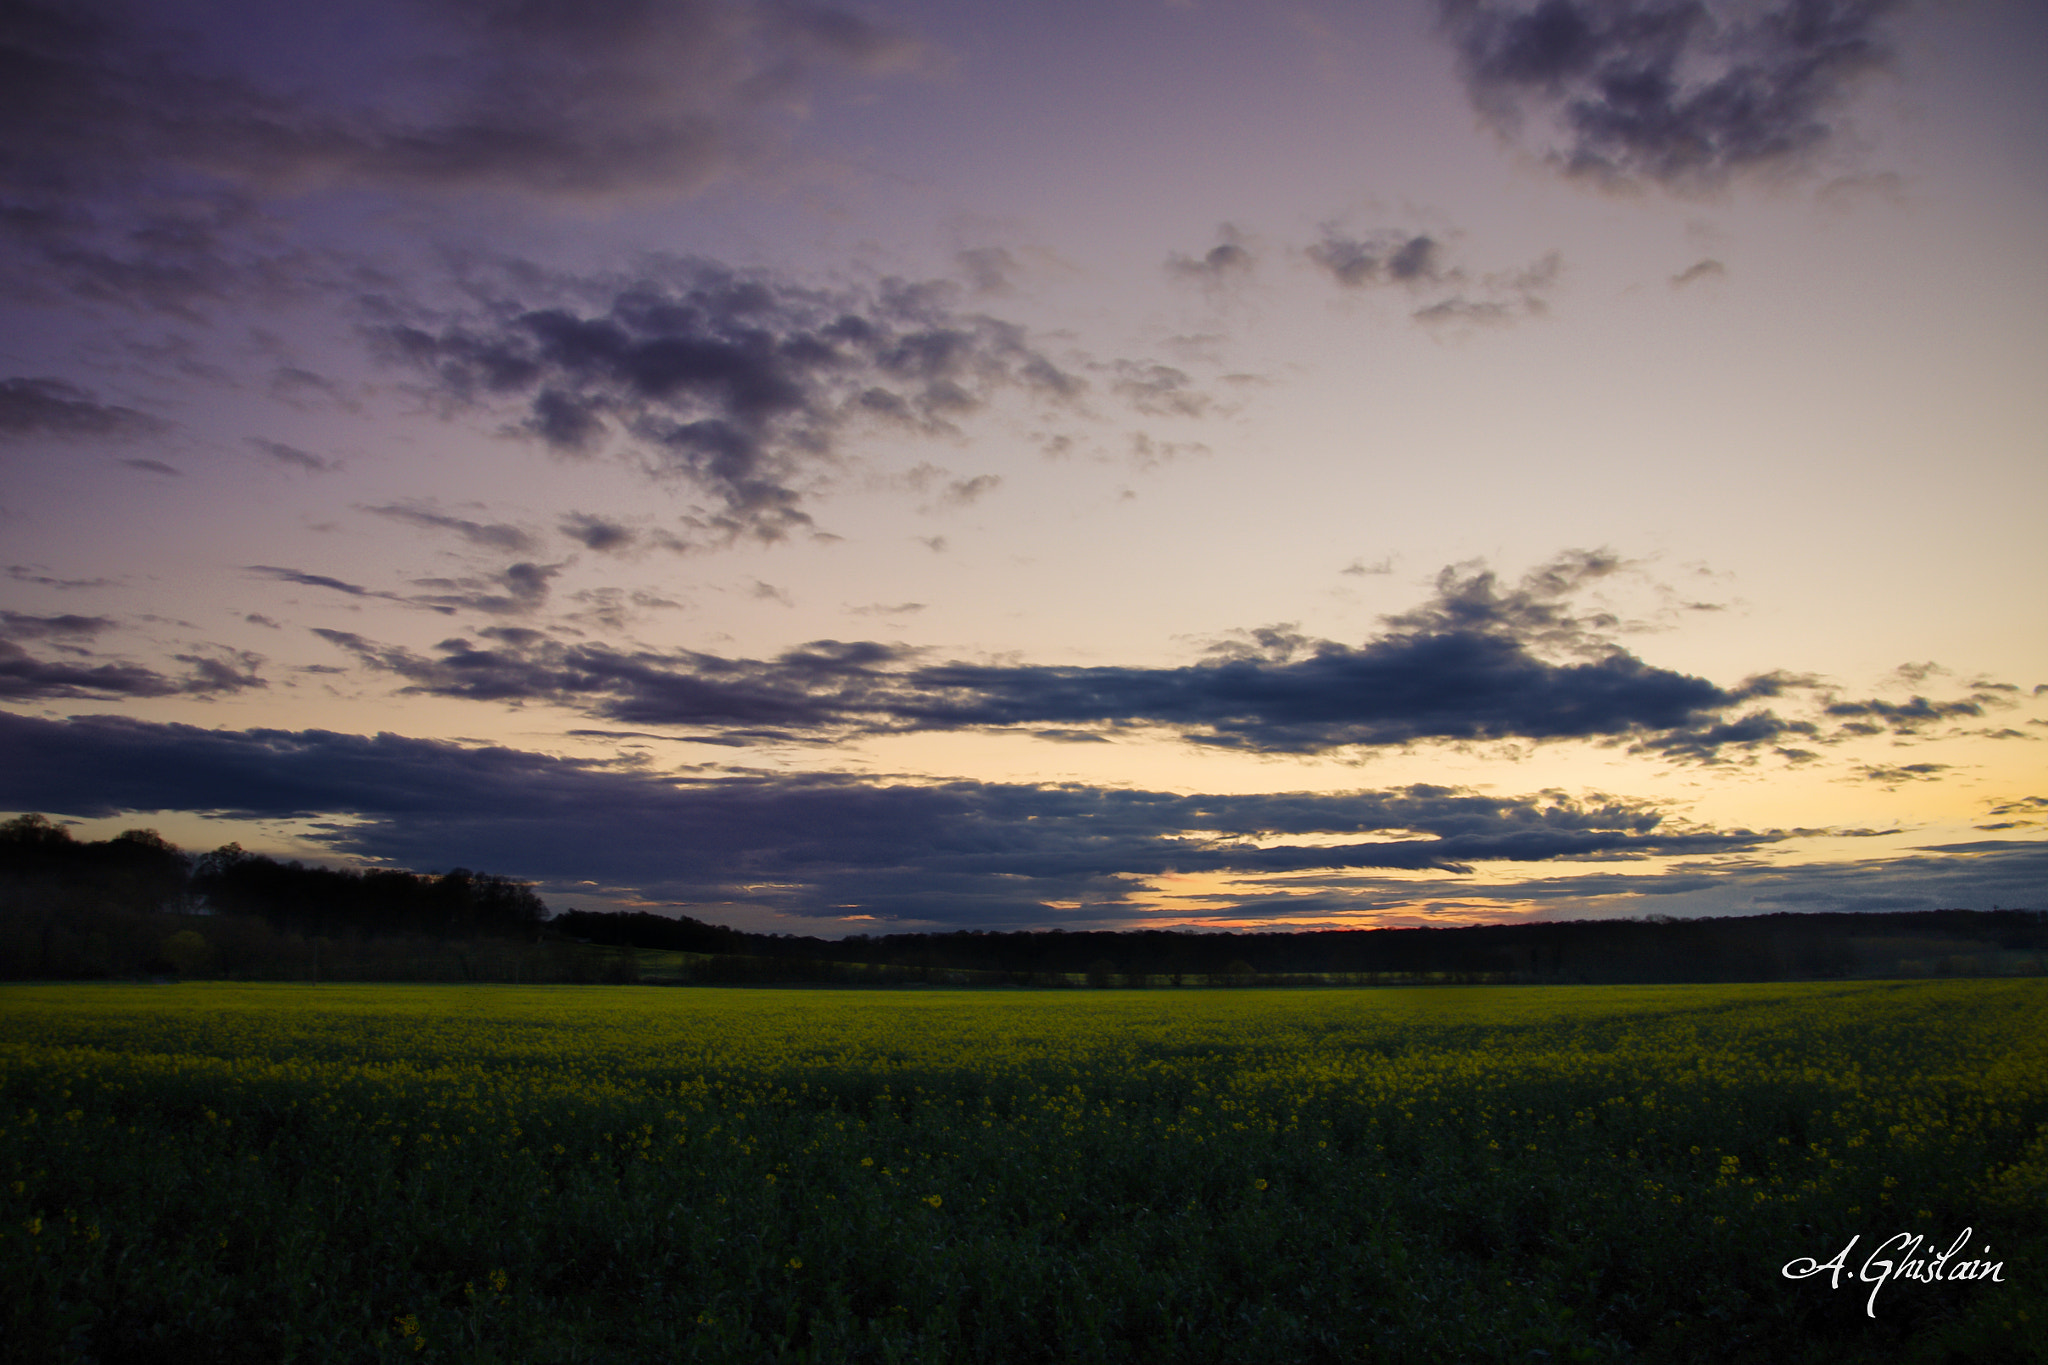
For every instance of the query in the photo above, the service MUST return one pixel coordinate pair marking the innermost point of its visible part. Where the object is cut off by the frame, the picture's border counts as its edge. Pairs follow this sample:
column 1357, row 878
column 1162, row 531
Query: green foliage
column 274, row 1173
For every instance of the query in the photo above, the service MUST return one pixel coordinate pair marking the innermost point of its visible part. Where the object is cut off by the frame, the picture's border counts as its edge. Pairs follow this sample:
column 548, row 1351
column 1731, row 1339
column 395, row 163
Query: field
column 341, row 1173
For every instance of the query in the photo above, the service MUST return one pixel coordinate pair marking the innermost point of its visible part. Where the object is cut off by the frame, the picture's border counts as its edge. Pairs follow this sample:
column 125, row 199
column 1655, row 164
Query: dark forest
column 136, row 905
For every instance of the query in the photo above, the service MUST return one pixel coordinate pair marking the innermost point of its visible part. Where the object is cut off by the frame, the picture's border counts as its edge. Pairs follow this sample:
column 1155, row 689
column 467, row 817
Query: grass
column 355, row 1173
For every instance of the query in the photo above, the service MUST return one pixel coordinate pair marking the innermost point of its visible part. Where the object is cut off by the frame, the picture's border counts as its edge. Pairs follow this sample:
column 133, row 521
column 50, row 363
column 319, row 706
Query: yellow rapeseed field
column 356, row 1172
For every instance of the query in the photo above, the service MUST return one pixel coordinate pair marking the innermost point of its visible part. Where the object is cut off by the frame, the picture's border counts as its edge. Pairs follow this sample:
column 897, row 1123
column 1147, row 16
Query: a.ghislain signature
column 1907, row 1262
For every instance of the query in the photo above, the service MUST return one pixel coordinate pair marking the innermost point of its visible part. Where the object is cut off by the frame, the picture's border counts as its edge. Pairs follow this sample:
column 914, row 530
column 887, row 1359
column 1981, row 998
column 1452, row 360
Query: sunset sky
column 974, row 465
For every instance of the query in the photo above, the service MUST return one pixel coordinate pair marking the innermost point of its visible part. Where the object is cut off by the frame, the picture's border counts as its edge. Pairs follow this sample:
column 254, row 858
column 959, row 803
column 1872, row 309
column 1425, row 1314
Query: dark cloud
column 1487, row 312
column 597, row 533
column 315, row 580
column 52, row 407
column 1890, row 775
column 20, row 626
column 293, row 456
column 24, row 677
column 740, row 385
column 1917, row 674
column 1479, row 661
column 1381, row 258
column 156, row 467
column 1914, row 716
column 820, row 687
column 1683, row 93
column 1420, row 264
column 988, row 269
column 1498, row 297
column 141, row 143
column 1742, row 736
column 223, row 671
column 1158, row 390
column 823, row 846
column 1834, row 721
column 1983, row 875
column 28, row 573
column 2025, row 813
column 301, row 388
column 489, row 535
column 967, row 492
column 1709, row 269
column 520, row 588
column 1228, row 261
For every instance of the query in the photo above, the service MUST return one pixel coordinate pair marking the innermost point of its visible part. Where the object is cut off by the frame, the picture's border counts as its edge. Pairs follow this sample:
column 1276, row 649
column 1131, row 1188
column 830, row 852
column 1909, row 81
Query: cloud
column 315, row 580
column 293, row 456
column 1680, row 94
column 520, row 588
column 140, row 158
column 597, row 533
column 1478, row 661
column 1158, row 390
column 223, row 671
column 26, row 573
column 1229, row 261
column 1981, row 875
column 155, row 467
column 1420, row 264
column 2024, row 813
column 1914, row 716
column 738, row 384
column 1380, row 258
column 967, row 492
column 21, row 626
column 1499, row 297
column 301, row 388
column 819, row 687
column 24, row 677
column 988, row 269
column 810, row 845
column 1708, row 269
column 488, row 535
column 52, row 407
column 1891, row 775
column 1746, row 734
column 1833, row 721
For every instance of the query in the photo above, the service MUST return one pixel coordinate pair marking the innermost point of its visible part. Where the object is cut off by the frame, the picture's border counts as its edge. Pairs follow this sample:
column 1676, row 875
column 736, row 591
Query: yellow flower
column 933, row 1200
column 1258, row 1184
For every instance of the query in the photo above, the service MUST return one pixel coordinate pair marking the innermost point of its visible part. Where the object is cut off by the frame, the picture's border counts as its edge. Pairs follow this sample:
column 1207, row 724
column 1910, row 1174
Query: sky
column 920, row 466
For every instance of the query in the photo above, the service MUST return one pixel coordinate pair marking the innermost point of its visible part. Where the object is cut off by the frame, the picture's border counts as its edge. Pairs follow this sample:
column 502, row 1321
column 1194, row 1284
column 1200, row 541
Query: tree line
column 1772, row 947
column 136, row 904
